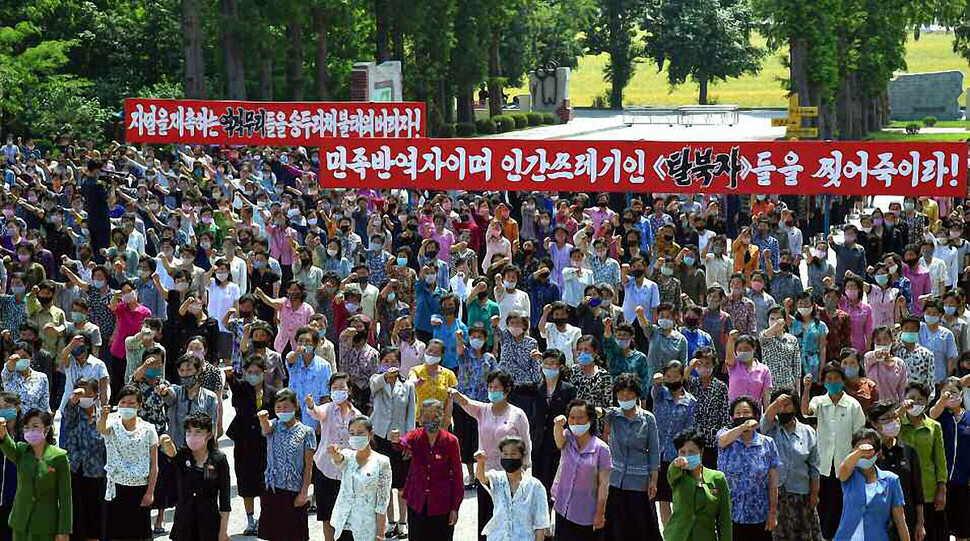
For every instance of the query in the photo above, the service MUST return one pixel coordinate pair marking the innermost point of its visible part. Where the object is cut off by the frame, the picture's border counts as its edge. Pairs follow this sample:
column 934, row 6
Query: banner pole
column 828, row 205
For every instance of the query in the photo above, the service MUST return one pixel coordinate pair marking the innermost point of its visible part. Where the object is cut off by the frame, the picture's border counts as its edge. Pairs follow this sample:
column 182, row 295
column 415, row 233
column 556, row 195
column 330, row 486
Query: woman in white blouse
column 365, row 486
column 131, row 467
column 520, row 509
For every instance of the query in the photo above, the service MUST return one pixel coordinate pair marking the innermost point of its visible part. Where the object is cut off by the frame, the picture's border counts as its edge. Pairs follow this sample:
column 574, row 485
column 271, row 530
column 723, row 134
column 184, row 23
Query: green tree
column 703, row 40
column 614, row 31
column 67, row 107
column 25, row 62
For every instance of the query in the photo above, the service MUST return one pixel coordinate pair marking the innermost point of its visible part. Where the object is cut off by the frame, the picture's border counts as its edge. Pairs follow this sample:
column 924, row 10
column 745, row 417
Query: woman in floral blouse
column 85, row 447
column 592, row 382
column 711, row 410
column 474, row 363
column 750, row 462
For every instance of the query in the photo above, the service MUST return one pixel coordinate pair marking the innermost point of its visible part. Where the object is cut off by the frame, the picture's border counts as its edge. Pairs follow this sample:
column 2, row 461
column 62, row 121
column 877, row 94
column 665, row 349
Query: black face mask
column 260, row 344
column 785, row 267
column 362, row 280
column 673, row 386
column 482, row 295
column 431, row 254
column 740, row 421
column 360, row 337
column 786, row 417
column 447, row 311
column 637, row 273
column 691, row 322
column 511, row 465
column 45, row 300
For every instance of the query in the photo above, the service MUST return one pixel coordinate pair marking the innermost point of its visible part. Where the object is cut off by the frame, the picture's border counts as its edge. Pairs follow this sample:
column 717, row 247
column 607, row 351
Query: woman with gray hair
column 434, row 489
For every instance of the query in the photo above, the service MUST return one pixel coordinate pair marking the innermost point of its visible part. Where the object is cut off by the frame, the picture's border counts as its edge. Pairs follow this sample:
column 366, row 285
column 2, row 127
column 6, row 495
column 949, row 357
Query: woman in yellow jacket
column 702, row 500
column 42, row 505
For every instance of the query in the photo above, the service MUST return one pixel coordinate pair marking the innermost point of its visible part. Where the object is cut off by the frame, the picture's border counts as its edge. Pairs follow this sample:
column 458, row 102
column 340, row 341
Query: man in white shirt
column 558, row 333
column 937, row 265
column 640, row 290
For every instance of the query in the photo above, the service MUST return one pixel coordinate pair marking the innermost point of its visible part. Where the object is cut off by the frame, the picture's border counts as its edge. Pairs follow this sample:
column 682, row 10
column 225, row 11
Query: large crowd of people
column 372, row 355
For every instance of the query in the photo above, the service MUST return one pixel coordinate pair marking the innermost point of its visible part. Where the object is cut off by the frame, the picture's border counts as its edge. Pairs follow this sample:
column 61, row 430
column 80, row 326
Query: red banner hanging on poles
column 269, row 123
column 775, row 167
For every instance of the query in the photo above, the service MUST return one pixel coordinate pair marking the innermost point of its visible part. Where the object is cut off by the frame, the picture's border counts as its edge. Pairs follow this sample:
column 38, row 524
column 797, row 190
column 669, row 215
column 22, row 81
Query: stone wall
column 914, row 96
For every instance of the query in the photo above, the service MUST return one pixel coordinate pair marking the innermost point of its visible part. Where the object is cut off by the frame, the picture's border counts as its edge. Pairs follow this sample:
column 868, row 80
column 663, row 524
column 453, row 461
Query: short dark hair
column 691, row 433
column 130, row 390
column 503, row 377
column 755, row 408
column 514, row 441
column 590, row 411
column 627, row 381
column 919, row 387
column 866, row 434
column 833, row 368
column 880, row 409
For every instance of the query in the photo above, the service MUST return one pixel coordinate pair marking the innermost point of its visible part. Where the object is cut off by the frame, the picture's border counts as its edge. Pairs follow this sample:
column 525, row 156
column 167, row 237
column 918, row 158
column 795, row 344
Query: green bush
column 503, row 123
column 534, row 119
column 445, row 131
column 601, row 102
column 912, row 128
column 929, row 121
column 465, row 129
column 485, row 126
column 548, row 118
column 521, row 120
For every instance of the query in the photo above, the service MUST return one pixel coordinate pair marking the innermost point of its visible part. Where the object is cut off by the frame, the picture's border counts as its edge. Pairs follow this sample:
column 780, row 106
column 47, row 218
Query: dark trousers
column 118, row 367
column 750, row 532
column 484, row 509
column 567, row 530
column 829, row 505
column 935, row 523
column 424, row 526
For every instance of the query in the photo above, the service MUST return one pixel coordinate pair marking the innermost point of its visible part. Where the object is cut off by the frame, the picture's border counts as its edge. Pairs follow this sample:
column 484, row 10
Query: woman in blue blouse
column 950, row 412
column 674, row 408
column 750, row 462
column 869, row 495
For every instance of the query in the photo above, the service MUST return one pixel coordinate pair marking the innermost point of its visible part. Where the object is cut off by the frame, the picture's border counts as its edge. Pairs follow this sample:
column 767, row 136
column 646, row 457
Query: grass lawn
column 933, row 52
column 899, row 136
column 939, row 124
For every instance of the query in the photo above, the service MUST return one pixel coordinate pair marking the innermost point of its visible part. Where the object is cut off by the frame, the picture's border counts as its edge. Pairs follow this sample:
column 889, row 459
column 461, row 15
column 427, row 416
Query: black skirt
column 124, row 517
column 88, row 504
column 166, row 486
column 957, row 505
column 664, row 493
column 399, row 466
column 466, row 430
column 279, row 520
column 249, row 460
column 326, row 491
column 630, row 515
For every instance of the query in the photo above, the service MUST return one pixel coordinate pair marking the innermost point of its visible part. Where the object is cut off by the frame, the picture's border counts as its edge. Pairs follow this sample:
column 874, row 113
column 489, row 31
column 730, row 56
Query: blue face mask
column 627, row 404
column 931, row 320
column 623, row 343
column 579, row 430
column 402, row 262
column 285, row 416
column 851, row 372
column 254, row 379
column 496, row 396
column 834, row 388
column 476, row 343
column 584, row 358
column 909, row 336
column 23, row 365
column 152, row 373
column 550, row 373
column 689, row 261
column 10, row 414
column 339, row 396
column 865, row 463
column 693, row 462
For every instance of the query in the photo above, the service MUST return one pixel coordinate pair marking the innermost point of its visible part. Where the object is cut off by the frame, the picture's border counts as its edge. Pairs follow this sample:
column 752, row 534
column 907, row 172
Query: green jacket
column 42, row 506
column 700, row 509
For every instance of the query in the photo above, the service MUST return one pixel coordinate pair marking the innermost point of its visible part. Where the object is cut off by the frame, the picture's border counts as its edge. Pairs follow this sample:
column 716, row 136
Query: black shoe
column 402, row 534
column 391, row 533
column 311, row 509
column 251, row 530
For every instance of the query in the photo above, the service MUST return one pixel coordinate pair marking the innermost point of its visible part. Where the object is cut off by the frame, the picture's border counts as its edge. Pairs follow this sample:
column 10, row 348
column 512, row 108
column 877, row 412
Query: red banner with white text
column 775, row 167
column 268, row 123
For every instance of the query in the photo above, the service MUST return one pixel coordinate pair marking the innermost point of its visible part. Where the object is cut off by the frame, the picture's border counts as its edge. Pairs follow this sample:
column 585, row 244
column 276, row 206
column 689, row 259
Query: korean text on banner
column 776, row 167
column 269, row 123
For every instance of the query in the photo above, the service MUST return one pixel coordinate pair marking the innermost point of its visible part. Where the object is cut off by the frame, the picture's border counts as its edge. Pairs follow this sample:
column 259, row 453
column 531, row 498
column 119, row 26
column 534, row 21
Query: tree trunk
column 702, row 81
column 447, row 96
column 495, row 100
column 232, row 43
column 294, row 68
column 466, row 104
column 382, row 15
column 266, row 78
column 194, row 64
column 320, row 23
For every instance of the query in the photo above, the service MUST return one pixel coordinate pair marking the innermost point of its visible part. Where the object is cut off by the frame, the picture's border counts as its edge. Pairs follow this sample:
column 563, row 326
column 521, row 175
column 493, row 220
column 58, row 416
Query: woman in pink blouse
column 882, row 297
column 919, row 279
column 860, row 313
column 495, row 244
column 291, row 312
column 496, row 421
column 888, row 371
